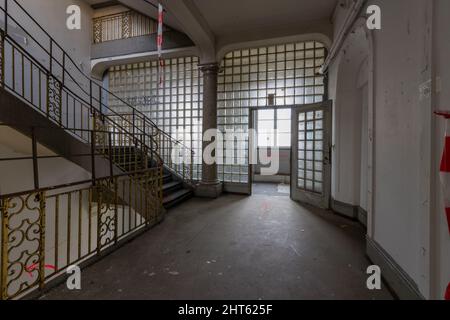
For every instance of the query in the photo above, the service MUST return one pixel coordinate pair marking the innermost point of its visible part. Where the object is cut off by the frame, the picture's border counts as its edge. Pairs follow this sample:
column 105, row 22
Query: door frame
column 301, row 195
column 252, row 124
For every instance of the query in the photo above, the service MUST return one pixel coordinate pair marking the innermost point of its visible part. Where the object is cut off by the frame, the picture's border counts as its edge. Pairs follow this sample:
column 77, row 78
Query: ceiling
column 228, row 17
column 216, row 25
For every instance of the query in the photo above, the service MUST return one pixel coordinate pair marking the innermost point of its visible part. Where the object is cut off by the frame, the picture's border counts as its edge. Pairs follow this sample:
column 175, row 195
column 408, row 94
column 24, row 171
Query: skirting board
column 236, row 188
column 344, row 209
column 350, row 211
column 275, row 179
column 362, row 216
column 397, row 279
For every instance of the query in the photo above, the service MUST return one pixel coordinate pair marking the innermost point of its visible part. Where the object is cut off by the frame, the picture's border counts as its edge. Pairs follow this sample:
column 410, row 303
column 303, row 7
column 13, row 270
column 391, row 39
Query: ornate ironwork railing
column 65, row 225
column 122, row 25
column 54, row 85
column 45, row 231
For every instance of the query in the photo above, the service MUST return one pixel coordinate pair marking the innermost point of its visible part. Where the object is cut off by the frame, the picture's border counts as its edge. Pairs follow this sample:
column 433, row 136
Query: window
column 283, row 126
column 274, row 128
column 266, row 128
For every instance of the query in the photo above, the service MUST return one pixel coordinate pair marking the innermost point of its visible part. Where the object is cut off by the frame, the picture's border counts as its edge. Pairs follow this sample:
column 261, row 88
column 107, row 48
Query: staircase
column 175, row 190
column 78, row 104
column 133, row 181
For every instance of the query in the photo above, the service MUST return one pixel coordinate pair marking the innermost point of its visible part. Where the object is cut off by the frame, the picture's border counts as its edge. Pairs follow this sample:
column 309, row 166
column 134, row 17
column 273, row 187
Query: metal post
column 47, row 95
column 143, row 131
column 99, row 218
column 134, row 121
column 63, row 70
column 41, row 196
column 4, row 256
column 90, row 93
column 151, row 151
column 51, row 57
column 111, row 169
column 6, row 16
column 93, row 154
column 100, row 100
column 116, row 209
column 2, row 52
column 35, row 159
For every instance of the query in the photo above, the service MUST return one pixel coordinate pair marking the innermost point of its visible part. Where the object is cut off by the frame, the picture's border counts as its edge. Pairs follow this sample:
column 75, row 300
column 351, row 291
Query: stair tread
column 174, row 196
column 172, row 184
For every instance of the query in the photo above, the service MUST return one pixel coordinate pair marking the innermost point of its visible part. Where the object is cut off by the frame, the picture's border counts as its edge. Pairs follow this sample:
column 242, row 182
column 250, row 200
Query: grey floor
column 236, row 247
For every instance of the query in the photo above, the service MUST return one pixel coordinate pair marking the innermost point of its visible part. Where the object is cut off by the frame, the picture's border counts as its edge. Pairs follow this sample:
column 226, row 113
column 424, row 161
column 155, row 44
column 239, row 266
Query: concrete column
column 210, row 186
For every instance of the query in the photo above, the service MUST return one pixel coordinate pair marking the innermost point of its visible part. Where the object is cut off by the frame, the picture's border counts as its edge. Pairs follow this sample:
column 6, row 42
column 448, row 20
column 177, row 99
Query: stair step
column 167, row 178
column 172, row 186
column 176, row 197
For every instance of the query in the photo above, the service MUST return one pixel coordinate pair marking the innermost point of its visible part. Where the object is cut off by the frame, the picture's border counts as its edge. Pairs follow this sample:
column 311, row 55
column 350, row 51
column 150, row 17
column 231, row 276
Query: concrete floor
column 260, row 247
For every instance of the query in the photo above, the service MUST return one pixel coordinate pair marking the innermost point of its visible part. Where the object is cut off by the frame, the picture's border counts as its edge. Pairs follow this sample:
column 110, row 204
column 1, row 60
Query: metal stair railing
column 72, row 223
column 56, row 86
column 176, row 156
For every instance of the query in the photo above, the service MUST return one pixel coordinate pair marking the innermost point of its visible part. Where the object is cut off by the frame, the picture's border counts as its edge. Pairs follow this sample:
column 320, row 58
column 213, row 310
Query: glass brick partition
column 275, row 76
column 175, row 106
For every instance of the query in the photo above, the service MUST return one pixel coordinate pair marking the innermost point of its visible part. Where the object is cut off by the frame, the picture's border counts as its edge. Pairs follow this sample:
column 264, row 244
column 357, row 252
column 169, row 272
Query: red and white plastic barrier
column 447, row 293
column 160, row 43
column 445, row 167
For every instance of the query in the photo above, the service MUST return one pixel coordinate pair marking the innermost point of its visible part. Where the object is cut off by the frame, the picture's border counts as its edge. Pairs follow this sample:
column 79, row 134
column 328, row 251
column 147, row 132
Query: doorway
column 302, row 135
column 272, row 129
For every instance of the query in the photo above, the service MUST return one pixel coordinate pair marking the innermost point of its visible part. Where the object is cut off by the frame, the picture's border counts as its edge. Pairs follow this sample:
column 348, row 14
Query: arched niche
column 351, row 88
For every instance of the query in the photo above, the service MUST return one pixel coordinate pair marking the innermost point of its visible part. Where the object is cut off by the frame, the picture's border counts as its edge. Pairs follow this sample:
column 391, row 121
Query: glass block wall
column 310, row 151
column 288, row 73
column 175, row 106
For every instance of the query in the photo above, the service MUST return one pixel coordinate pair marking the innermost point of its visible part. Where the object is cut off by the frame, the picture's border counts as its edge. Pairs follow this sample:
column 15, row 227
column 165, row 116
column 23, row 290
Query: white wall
column 363, row 186
column 399, row 61
column 109, row 11
column 406, row 222
column 51, row 15
column 17, row 176
column 37, row 48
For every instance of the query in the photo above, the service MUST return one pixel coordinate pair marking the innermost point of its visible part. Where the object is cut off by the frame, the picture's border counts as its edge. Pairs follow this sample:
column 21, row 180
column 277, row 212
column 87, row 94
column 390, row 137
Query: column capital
column 209, row 68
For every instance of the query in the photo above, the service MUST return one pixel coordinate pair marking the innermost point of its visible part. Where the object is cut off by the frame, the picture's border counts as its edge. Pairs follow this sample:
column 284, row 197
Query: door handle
column 327, row 158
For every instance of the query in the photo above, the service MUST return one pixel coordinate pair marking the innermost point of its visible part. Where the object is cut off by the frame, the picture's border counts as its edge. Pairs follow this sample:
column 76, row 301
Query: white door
column 311, row 154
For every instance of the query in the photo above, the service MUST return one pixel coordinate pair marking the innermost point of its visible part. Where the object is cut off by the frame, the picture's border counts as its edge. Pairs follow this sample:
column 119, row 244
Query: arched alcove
column 350, row 88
